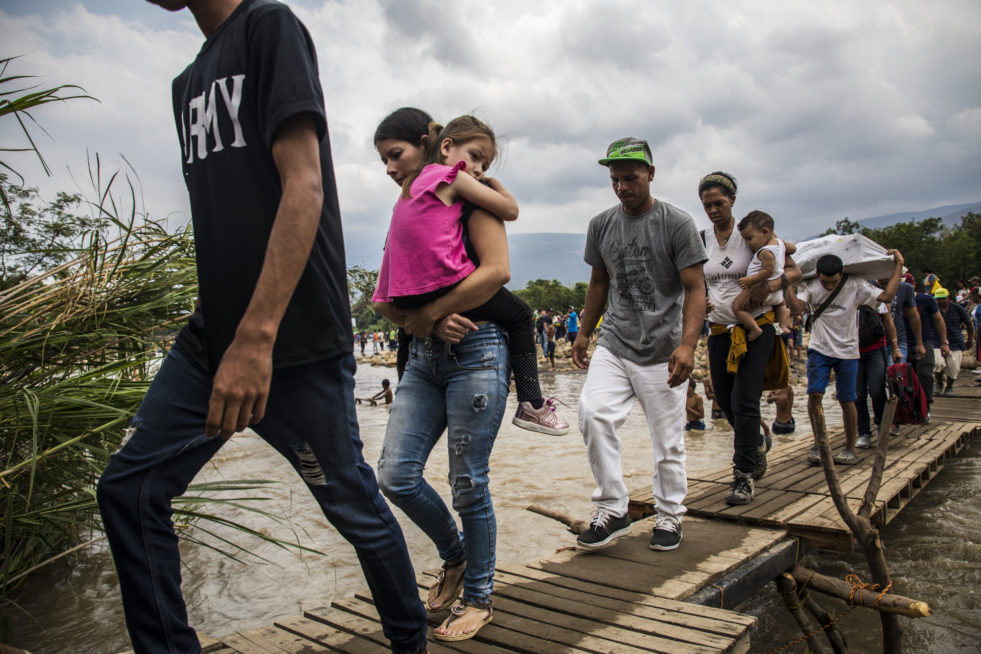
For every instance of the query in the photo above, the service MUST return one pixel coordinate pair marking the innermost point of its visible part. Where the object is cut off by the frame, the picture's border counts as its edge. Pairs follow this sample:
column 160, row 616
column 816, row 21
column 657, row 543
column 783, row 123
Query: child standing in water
column 767, row 263
column 430, row 257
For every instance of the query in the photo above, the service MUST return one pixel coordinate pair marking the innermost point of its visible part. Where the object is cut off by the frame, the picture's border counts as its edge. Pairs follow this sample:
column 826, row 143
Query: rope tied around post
column 859, row 587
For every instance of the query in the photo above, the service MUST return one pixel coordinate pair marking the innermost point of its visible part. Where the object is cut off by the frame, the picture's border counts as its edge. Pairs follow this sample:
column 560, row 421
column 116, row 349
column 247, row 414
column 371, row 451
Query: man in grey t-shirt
column 647, row 260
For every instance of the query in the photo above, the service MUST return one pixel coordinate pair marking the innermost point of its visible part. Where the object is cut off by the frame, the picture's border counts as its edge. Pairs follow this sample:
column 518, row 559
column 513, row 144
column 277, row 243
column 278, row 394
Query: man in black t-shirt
column 270, row 344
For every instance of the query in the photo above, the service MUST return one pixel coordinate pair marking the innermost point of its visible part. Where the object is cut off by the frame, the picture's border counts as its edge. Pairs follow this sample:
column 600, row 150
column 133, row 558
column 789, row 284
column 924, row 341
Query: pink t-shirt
column 425, row 249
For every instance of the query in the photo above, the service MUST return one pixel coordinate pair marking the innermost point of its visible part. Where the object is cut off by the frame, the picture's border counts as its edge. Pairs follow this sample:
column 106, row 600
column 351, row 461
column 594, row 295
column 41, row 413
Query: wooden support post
column 865, row 534
column 821, row 614
column 812, row 631
column 890, row 602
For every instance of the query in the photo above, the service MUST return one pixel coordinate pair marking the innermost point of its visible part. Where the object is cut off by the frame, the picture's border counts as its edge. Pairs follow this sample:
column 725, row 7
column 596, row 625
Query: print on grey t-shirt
column 634, row 277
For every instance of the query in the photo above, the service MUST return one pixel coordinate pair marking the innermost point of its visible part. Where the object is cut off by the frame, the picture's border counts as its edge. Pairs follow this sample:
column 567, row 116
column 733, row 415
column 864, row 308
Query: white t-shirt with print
column 723, row 269
column 835, row 332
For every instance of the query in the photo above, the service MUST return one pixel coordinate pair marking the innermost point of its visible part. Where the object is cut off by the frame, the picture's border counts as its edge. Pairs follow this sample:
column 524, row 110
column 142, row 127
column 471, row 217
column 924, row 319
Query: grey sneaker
column 543, row 420
column 603, row 530
column 667, row 534
column 864, row 441
column 742, row 488
column 814, row 456
column 846, row 457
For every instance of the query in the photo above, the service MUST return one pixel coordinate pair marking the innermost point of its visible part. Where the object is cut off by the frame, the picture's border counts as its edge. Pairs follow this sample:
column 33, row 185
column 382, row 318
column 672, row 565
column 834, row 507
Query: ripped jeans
column 462, row 389
column 310, row 420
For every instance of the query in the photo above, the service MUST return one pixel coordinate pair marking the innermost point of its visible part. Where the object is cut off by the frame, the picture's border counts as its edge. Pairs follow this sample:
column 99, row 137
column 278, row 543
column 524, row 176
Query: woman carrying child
column 457, row 374
column 737, row 392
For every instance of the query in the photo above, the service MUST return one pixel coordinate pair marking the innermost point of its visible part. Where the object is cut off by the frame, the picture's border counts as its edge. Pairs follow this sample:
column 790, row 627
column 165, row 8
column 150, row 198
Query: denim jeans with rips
column 462, row 389
column 310, row 420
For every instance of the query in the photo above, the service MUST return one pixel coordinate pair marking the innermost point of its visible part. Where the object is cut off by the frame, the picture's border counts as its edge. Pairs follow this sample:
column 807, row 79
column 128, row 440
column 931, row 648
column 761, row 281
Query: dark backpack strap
column 824, row 305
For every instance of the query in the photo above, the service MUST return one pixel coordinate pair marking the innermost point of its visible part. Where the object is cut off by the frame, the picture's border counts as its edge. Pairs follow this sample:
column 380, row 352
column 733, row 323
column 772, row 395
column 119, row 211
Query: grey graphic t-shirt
column 643, row 255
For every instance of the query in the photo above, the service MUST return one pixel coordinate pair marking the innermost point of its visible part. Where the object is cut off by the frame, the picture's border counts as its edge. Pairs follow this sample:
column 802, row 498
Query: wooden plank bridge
column 629, row 599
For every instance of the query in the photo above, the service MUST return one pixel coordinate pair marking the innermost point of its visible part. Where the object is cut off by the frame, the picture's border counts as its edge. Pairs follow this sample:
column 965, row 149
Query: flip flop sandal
column 440, row 580
column 458, row 610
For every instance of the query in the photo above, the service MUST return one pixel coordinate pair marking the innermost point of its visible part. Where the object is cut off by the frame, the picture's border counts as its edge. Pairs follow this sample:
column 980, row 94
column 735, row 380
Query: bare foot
column 448, row 584
column 464, row 622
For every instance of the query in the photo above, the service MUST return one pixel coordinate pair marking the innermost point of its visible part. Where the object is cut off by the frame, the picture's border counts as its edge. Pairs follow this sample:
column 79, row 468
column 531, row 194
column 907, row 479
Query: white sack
column 862, row 256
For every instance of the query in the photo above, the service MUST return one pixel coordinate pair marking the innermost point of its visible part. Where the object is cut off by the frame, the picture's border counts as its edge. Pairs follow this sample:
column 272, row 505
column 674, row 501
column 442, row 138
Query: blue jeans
column 870, row 382
column 463, row 389
column 310, row 420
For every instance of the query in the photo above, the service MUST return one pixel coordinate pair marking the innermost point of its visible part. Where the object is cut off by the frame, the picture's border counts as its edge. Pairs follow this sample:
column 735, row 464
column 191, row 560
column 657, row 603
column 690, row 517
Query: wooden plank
column 338, row 617
column 330, row 637
column 547, row 595
column 362, row 606
column 634, row 618
column 585, row 633
column 604, row 569
column 280, row 641
column 620, row 594
column 244, row 645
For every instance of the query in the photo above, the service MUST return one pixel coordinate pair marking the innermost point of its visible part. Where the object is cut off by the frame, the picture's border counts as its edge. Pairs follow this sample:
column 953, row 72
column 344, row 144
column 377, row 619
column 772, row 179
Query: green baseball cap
column 628, row 149
column 941, row 293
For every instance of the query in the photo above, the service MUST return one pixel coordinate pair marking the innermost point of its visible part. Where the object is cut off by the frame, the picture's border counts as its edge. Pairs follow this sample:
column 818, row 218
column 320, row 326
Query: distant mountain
column 950, row 213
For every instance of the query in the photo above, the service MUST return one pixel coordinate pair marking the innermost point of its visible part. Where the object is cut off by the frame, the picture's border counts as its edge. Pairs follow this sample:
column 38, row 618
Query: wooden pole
column 812, row 631
column 890, row 602
column 865, row 534
column 575, row 525
column 835, row 637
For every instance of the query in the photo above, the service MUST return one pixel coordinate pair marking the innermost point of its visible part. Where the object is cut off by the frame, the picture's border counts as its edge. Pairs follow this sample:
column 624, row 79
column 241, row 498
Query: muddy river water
column 933, row 547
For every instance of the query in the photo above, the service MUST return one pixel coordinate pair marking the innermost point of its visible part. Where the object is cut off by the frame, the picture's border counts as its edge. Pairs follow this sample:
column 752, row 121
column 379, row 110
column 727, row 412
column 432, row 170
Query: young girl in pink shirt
column 426, row 255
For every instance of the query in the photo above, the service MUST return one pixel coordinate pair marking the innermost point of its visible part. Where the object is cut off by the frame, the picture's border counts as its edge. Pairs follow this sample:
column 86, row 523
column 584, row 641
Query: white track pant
column 607, row 397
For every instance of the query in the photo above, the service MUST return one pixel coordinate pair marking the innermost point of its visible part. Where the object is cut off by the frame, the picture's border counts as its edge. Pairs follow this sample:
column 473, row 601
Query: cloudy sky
column 821, row 109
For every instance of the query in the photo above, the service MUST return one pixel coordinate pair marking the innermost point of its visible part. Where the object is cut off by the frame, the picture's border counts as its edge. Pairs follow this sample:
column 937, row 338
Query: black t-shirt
column 258, row 69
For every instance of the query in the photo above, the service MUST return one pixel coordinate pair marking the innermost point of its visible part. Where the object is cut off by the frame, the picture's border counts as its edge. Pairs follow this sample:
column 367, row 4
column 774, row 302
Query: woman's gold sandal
column 458, row 611
column 459, row 568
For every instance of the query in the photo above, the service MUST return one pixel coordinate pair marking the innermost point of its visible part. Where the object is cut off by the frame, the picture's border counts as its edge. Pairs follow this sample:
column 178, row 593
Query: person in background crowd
column 875, row 354
column 975, row 312
column 694, row 409
column 930, row 281
column 384, row 394
column 906, row 319
column 540, row 329
column 954, row 317
column 934, row 334
column 783, row 399
column 550, row 344
column 962, row 292
column 572, row 325
column 710, row 395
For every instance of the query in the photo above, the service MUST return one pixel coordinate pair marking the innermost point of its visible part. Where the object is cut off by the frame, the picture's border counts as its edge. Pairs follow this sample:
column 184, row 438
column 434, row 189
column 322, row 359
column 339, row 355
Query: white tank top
column 723, row 269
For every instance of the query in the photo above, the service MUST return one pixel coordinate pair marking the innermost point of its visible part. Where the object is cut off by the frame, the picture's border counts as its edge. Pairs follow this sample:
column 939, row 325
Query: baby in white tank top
column 767, row 263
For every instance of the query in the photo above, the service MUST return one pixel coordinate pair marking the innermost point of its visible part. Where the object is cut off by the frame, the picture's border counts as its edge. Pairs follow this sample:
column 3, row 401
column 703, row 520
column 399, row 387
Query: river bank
column 933, row 547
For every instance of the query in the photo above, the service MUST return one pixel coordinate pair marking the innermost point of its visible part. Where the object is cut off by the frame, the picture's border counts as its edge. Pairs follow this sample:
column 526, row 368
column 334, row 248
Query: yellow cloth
column 777, row 373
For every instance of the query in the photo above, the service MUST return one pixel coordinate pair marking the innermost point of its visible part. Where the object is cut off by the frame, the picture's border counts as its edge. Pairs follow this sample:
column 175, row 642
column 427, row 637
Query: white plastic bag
column 862, row 256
